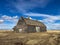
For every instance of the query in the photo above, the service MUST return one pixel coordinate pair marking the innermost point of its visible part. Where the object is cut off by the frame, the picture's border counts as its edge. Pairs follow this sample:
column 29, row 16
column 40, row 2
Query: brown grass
column 42, row 38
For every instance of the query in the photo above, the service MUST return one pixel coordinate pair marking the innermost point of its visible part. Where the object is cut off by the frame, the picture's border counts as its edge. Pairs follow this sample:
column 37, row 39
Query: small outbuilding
column 29, row 25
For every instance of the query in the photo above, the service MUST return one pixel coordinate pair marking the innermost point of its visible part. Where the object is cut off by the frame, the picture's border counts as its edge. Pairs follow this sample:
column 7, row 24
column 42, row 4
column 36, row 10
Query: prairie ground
column 41, row 38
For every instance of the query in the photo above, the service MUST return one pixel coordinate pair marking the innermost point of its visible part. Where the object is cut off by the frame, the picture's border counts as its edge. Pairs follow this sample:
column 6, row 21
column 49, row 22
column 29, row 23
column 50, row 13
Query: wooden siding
column 31, row 28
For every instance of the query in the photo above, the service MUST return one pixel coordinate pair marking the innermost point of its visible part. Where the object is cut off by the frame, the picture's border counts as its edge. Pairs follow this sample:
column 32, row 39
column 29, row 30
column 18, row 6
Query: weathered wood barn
column 29, row 25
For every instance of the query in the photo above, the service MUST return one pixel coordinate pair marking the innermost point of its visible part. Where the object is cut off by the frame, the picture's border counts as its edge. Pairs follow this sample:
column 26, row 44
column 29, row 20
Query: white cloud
column 6, row 17
column 6, row 26
column 15, row 17
column 9, row 18
column 48, row 20
column 1, row 21
column 12, row 19
column 55, row 26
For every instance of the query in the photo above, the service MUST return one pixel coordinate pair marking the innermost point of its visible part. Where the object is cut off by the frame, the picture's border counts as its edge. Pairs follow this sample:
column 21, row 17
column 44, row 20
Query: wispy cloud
column 25, row 5
column 48, row 20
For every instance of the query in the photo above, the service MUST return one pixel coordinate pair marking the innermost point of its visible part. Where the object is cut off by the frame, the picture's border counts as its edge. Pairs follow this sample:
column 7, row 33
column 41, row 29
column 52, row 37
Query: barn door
column 37, row 29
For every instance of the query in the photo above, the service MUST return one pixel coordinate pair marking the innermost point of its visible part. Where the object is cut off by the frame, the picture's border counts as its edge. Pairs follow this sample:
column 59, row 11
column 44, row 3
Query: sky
column 46, row 11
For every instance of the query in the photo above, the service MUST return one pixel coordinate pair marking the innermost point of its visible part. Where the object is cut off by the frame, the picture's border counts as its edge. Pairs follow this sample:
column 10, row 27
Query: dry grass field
column 41, row 38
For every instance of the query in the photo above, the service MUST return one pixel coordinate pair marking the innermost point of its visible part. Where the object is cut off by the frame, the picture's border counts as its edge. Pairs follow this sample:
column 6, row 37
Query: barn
column 28, row 25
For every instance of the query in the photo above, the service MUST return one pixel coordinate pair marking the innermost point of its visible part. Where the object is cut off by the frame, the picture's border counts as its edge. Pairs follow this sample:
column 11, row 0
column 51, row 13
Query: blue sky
column 46, row 11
